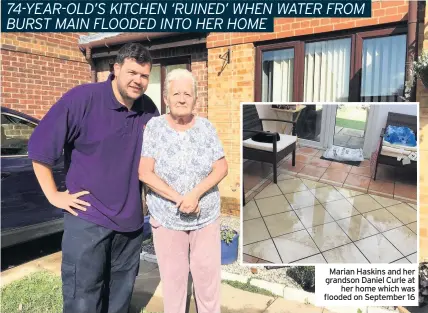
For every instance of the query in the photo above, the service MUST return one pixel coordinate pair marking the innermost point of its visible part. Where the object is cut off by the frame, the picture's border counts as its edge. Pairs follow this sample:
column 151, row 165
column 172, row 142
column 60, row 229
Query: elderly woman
column 182, row 162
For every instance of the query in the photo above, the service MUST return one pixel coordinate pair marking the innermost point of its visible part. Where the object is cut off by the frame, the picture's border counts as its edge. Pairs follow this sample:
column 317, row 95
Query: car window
column 15, row 133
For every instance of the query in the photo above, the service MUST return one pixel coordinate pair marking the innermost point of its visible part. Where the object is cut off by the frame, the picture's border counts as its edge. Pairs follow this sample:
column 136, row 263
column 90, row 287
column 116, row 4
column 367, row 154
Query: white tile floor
column 303, row 221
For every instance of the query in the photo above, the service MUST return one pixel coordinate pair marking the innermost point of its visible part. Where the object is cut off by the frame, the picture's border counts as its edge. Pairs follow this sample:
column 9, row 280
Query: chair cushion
column 398, row 153
column 284, row 142
column 398, row 147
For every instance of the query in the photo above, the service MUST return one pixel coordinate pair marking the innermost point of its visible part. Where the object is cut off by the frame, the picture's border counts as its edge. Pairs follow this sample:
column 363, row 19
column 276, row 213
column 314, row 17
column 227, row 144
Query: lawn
column 351, row 116
column 340, row 122
column 36, row 293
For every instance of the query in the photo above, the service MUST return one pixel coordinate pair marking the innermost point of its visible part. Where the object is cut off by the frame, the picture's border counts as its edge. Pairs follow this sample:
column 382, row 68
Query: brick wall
column 38, row 68
column 235, row 83
column 422, row 97
column 17, row 131
column 198, row 56
column 226, row 89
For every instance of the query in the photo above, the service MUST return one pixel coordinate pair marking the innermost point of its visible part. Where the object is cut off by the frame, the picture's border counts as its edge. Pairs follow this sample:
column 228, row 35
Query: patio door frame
column 298, row 63
column 325, row 129
column 329, row 123
column 357, row 37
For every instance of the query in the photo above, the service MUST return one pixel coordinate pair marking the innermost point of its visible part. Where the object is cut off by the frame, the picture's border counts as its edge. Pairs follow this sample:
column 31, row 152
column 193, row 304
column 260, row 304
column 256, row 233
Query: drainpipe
column 412, row 42
column 92, row 64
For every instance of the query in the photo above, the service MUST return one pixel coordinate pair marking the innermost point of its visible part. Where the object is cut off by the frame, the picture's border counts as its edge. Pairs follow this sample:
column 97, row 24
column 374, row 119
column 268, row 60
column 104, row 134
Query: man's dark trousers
column 99, row 267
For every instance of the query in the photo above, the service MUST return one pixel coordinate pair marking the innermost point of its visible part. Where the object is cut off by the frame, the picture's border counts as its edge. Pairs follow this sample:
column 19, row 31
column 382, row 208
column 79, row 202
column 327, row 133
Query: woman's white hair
column 177, row 74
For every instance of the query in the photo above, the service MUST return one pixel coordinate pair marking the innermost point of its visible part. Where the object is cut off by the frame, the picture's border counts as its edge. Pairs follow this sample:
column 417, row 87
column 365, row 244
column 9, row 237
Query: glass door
column 349, row 126
column 277, row 75
column 311, row 121
column 311, row 125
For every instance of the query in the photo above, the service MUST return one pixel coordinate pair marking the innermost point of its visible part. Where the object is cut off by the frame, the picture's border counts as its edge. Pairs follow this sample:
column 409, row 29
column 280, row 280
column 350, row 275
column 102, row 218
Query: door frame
column 326, row 123
column 297, row 64
column 330, row 122
column 170, row 61
column 357, row 36
column 370, row 129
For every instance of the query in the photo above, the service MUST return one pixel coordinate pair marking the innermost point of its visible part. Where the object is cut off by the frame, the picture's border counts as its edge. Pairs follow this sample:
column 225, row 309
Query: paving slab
column 299, row 295
column 281, row 305
column 346, row 309
column 232, row 301
column 147, row 286
column 148, row 289
column 146, row 267
column 236, row 300
column 276, row 289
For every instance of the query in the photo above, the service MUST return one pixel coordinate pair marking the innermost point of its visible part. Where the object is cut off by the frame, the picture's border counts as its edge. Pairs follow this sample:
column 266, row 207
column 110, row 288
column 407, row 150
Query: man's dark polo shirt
column 102, row 145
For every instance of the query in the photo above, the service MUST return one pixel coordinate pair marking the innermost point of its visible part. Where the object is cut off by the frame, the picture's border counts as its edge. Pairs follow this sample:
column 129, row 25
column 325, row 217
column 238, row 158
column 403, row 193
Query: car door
column 23, row 203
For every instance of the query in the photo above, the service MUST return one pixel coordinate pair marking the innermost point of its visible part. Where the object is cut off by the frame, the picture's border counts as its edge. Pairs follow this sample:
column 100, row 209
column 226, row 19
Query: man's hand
column 190, row 204
column 69, row 202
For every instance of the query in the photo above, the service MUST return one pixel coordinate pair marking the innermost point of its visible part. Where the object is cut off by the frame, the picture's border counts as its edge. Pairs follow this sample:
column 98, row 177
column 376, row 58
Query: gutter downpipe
column 88, row 55
column 412, row 43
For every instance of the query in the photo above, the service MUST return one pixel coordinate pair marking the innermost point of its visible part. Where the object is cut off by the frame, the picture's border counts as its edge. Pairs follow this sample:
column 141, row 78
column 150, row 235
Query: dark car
column 26, row 214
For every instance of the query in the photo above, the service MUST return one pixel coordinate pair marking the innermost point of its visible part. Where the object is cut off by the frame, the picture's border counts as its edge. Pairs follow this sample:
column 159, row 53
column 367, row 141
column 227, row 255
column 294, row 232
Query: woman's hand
column 190, row 203
column 178, row 199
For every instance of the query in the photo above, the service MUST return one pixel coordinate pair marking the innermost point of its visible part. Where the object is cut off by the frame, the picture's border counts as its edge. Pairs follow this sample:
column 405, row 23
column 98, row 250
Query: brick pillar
column 226, row 89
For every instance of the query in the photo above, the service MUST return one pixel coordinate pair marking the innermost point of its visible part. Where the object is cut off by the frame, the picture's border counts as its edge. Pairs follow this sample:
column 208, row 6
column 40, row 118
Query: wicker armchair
column 266, row 152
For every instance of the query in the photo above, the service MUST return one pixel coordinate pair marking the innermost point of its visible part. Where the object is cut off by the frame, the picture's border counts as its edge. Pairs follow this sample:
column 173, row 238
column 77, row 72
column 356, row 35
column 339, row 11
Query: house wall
column 422, row 98
column 382, row 114
column 235, row 84
column 38, row 68
column 265, row 111
column 199, row 61
column 383, row 12
column 228, row 85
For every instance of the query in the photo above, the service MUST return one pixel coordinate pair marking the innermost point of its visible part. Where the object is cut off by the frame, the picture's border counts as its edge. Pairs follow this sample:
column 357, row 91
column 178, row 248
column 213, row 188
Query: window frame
column 357, row 37
column 259, row 59
column 372, row 34
column 163, row 63
column 22, row 119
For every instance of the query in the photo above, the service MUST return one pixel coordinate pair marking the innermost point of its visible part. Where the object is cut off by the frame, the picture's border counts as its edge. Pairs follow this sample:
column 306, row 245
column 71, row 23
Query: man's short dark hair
column 134, row 51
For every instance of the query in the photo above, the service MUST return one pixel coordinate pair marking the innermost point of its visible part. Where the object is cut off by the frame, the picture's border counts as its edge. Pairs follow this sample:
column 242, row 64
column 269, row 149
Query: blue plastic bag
column 400, row 135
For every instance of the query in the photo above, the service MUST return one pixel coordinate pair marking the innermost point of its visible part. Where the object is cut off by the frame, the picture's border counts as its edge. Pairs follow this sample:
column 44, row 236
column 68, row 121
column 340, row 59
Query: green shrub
column 227, row 234
column 304, row 276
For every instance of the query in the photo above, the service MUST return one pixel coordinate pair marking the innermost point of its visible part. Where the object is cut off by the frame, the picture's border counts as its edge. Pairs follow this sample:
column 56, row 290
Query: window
column 15, row 133
column 383, row 68
column 154, row 90
column 158, row 74
column 327, row 66
column 277, row 79
column 360, row 66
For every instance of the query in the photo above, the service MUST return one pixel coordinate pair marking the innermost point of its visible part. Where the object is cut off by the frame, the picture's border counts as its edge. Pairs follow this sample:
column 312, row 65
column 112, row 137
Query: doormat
column 344, row 155
column 354, row 163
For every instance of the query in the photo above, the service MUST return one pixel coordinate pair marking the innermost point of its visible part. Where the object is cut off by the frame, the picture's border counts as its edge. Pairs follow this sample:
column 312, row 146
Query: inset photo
column 329, row 183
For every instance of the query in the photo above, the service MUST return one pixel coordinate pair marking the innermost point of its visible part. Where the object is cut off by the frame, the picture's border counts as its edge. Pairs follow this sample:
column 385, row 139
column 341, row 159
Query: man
column 100, row 129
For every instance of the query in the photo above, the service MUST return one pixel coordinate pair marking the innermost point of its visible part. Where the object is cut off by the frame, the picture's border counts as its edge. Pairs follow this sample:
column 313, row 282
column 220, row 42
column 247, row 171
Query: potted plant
column 229, row 245
column 420, row 68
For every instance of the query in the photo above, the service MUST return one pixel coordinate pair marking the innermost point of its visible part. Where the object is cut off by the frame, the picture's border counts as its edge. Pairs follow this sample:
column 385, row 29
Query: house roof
column 109, row 39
